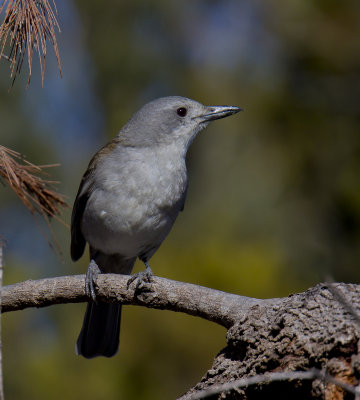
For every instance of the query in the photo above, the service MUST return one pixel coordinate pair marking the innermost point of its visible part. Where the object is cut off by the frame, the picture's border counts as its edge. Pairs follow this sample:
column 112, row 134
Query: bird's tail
column 100, row 332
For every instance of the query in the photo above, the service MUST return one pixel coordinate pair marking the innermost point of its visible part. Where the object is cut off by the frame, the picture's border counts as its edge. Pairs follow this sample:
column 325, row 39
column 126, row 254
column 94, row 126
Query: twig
column 271, row 377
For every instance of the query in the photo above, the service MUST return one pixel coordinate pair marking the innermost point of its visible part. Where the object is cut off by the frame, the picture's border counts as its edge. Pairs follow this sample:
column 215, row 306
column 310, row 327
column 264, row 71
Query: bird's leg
column 142, row 276
column 90, row 280
column 148, row 274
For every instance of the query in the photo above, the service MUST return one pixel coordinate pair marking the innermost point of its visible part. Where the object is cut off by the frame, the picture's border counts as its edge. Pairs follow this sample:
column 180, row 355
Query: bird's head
column 171, row 119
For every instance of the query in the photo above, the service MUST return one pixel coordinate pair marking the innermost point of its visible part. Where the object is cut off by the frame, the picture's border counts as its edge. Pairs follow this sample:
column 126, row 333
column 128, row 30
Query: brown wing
column 78, row 241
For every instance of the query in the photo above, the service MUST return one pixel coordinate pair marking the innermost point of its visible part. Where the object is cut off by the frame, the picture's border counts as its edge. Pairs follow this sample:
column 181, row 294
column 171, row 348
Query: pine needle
column 36, row 193
column 27, row 26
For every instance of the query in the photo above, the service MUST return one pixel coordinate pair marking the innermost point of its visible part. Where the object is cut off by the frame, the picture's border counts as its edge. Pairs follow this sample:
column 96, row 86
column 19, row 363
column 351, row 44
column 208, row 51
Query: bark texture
column 317, row 329
column 303, row 331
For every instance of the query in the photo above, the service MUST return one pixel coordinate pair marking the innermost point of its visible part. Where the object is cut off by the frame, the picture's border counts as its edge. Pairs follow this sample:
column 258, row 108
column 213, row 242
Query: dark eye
column 181, row 111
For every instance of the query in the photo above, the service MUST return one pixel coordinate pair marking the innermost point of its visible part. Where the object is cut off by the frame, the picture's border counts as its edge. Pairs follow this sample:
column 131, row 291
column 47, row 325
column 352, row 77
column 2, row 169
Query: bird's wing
column 78, row 241
column 182, row 204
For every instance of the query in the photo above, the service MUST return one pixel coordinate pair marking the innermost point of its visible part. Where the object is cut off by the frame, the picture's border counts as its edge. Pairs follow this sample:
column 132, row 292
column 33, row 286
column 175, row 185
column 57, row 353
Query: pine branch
column 26, row 27
column 25, row 179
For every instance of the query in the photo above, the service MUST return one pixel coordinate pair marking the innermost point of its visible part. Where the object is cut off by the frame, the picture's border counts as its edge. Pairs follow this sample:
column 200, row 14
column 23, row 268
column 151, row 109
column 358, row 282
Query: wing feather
column 78, row 241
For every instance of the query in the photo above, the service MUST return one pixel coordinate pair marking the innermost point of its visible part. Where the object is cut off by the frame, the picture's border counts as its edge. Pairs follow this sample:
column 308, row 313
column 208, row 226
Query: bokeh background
column 274, row 200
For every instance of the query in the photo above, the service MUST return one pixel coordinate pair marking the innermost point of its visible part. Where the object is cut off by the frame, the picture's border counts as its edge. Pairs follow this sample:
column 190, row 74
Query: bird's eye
column 181, row 111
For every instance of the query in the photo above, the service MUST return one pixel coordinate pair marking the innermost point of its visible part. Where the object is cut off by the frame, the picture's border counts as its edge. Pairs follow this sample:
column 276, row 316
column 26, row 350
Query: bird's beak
column 217, row 112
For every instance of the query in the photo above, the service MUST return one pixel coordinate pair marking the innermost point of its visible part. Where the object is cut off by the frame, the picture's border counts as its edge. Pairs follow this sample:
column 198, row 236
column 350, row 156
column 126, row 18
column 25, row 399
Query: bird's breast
column 136, row 201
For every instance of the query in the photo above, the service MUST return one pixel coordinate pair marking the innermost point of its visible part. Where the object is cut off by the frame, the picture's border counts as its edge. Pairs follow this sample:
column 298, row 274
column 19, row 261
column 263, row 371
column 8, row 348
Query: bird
column 128, row 200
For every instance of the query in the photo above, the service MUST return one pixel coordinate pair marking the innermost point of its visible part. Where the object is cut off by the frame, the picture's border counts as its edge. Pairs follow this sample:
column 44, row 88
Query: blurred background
column 274, row 201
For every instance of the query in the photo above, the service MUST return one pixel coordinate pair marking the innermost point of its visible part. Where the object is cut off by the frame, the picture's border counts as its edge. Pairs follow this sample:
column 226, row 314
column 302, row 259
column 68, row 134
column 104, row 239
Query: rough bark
column 315, row 329
column 303, row 331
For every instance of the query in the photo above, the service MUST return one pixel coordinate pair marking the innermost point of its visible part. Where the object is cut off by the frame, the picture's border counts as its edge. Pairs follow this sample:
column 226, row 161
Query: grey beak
column 217, row 112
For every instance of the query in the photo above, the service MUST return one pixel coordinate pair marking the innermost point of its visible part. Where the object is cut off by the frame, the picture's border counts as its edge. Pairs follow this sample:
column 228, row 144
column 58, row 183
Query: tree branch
column 302, row 332
column 310, row 330
column 213, row 305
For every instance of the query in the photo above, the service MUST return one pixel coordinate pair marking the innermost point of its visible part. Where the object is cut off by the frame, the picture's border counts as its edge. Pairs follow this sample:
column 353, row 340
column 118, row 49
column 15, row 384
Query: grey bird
column 128, row 200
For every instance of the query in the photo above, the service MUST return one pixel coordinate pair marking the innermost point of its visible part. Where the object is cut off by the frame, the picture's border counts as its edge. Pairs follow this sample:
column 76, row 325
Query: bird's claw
column 141, row 277
column 90, row 280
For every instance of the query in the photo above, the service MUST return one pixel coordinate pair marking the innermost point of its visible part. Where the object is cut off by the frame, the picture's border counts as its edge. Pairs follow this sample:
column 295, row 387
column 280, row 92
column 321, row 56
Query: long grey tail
column 100, row 332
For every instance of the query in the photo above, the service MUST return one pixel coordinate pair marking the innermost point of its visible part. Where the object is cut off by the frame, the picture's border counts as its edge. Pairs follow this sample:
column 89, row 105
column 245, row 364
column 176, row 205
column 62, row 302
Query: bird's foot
column 90, row 280
column 141, row 277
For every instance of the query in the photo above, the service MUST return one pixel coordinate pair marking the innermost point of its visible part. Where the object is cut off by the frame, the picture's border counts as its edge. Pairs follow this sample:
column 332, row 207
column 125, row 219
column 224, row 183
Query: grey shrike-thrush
column 128, row 200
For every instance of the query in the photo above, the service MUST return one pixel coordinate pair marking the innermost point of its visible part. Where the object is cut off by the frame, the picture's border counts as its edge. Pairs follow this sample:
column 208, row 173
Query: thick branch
column 314, row 330
column 214, row 305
